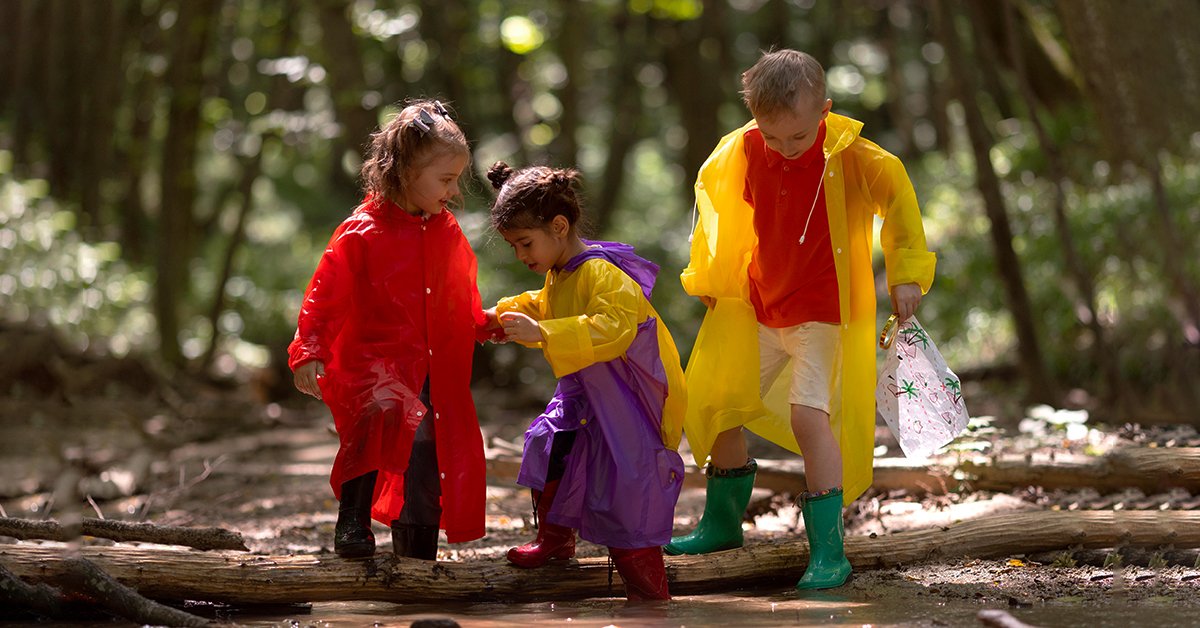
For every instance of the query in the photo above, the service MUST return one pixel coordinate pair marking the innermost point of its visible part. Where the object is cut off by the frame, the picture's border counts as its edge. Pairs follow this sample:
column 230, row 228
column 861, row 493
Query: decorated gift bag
column 919, row 397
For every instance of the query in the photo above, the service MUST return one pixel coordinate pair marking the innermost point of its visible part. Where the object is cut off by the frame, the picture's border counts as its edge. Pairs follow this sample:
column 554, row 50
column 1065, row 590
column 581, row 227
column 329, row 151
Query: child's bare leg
column 822, row 456
column 729, row 450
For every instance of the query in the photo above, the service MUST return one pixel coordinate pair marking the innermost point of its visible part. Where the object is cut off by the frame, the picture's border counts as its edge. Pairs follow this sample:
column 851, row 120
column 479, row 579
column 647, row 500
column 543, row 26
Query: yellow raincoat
column 862, row 180
column 591, row 315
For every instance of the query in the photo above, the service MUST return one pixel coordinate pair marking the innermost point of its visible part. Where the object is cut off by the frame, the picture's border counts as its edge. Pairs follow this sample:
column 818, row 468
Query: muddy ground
column 184, row 453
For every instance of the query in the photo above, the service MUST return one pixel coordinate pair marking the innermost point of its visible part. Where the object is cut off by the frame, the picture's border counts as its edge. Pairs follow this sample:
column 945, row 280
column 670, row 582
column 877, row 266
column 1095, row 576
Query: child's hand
column 709, row 302
column 905, row 299
column 493, row 322
column 305, row 377
column 521, row 328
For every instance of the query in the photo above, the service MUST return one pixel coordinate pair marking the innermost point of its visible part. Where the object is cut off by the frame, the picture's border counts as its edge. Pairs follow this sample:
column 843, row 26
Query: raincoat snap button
column 443, row 476
column 783, row 192
column 437, row 415
column 831, row 175
column 431, row 352
column 428, row 291
column 839, row 251
column 700, row 185
column 419, row 413
column 583, row 421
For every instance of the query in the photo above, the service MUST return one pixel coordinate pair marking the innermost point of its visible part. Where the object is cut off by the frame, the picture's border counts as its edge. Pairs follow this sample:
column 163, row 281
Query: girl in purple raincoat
column 601, row 459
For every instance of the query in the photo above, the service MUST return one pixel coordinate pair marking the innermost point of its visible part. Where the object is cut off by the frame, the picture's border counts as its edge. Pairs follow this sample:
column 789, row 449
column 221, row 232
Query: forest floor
column 223, row 457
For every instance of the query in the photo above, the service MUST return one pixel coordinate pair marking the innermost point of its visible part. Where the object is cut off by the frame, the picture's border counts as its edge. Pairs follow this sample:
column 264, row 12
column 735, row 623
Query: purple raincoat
column 621, row 482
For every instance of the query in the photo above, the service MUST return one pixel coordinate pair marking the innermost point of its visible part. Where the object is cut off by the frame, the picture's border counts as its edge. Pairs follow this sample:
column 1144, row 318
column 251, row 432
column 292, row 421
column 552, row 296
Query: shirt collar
column 807, row 158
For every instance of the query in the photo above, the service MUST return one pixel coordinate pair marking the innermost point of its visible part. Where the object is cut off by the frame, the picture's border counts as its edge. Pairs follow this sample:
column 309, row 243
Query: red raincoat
column 394, row 300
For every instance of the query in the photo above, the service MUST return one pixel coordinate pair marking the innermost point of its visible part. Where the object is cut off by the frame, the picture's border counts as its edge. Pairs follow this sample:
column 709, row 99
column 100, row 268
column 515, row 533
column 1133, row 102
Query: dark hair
column 531, row 197
column 413, row 138
column 780, row 80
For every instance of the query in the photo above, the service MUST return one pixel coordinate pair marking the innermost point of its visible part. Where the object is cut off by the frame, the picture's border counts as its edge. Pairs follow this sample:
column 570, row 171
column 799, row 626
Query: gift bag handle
column 889, row 332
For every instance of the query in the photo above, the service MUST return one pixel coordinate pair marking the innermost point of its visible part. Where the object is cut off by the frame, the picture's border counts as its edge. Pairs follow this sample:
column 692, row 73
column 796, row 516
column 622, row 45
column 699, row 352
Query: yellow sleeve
column 606, row 327
column 902, row 236
column 724, row 235
column 531, row 304
column 696, row 276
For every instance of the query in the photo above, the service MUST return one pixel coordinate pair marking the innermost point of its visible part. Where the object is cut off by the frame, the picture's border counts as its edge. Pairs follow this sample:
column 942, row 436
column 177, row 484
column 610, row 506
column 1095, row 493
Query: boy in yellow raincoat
column 781, row 256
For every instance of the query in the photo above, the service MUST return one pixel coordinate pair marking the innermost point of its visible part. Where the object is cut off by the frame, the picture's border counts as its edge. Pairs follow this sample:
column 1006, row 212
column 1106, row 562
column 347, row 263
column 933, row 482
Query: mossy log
column 233, row 577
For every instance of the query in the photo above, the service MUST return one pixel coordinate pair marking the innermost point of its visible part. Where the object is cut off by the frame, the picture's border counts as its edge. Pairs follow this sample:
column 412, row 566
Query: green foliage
column 49, row 273
column 280, row 95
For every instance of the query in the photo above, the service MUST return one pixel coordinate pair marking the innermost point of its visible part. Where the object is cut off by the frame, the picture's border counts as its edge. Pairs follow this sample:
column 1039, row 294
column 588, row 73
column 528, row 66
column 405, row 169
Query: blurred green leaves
column 49, row 273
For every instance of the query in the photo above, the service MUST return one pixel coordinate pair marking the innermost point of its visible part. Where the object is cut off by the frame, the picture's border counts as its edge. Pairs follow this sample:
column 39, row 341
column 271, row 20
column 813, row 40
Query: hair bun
column 499, row 173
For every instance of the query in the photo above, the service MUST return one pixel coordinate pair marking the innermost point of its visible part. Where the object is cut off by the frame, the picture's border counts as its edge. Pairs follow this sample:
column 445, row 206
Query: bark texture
column 241, row 578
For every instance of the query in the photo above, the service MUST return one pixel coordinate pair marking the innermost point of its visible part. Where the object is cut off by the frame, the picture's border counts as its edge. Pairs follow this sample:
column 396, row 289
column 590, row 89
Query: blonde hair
column 412, row 139
column 780, row 80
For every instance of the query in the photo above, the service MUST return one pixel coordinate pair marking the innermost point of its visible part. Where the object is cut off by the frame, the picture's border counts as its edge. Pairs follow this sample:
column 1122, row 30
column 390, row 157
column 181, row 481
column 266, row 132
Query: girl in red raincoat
column 385, row 338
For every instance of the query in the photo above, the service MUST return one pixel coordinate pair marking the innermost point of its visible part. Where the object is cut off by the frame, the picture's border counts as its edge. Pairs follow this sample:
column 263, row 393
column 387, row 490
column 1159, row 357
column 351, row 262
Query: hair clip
column 423, row 121
column 442, row 110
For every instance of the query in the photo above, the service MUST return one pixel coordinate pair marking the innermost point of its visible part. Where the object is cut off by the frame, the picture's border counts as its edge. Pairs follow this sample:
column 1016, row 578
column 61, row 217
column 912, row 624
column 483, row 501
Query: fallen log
column 784, row 476
column 40, row 599
column 125, row 531
column 172, row 574
column 83, row 577
column 1151, row 469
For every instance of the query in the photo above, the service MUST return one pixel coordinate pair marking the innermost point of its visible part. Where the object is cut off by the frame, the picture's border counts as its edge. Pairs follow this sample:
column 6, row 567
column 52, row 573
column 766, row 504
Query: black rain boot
column 352, row 537
column 414, row 541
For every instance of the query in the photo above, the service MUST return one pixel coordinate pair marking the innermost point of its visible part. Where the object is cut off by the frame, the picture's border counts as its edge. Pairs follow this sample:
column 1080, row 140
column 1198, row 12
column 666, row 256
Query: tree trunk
column 899, row 108
column 1171, row 246
column 28, row 80
column 570, row 42
column 347, row 83
column 186, row 81
column 1028, row 348
column 776, row 20
column 626, row 94
column 62, row 104
column 516, row 93
column 1105, row 358
column 99, row 132
column 134, row 138
column 693, row 52
column 169, row 574
column 251, row 166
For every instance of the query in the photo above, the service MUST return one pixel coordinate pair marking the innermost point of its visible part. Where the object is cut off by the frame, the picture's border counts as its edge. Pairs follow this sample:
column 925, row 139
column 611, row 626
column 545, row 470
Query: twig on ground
column 126, row 531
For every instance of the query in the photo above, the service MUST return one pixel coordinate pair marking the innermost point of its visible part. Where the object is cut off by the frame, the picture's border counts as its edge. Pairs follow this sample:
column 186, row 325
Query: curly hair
column 411, row 140
column 531, row 197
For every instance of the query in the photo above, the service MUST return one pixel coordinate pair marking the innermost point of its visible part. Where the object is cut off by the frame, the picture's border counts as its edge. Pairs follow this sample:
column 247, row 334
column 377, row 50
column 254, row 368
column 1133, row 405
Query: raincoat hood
column 621, row 255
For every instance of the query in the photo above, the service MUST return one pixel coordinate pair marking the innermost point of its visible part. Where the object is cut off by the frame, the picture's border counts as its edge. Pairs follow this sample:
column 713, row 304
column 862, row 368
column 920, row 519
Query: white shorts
column 813, row 348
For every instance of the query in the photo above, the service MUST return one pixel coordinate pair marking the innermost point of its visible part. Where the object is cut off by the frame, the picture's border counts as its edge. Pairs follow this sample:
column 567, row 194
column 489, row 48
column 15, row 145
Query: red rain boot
column 552, row 542
column 643, row 571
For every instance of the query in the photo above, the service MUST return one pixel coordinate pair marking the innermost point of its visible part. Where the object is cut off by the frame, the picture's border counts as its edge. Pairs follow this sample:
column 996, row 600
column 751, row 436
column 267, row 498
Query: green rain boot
column 720, row 526
column 827, row 564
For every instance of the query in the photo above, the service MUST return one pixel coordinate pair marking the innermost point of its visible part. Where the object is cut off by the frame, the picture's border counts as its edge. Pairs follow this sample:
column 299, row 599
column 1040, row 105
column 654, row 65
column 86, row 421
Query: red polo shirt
column 790, row 283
